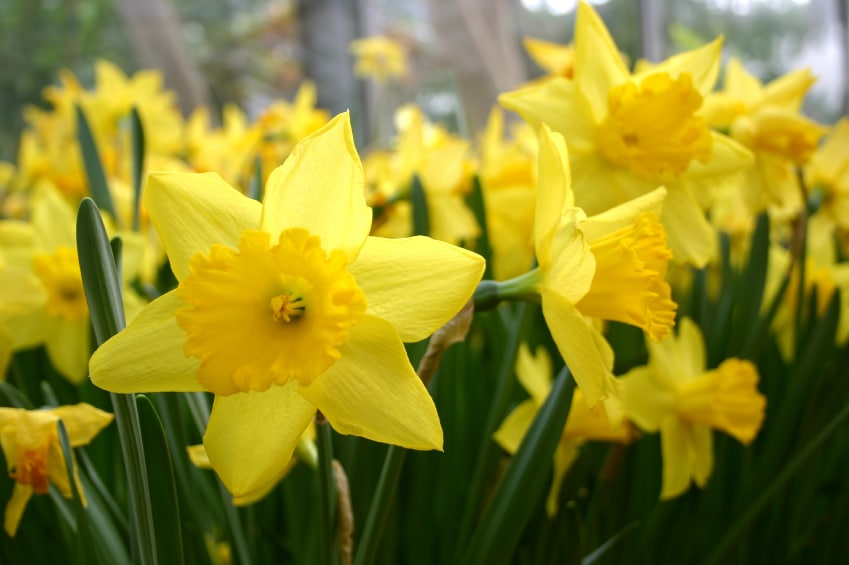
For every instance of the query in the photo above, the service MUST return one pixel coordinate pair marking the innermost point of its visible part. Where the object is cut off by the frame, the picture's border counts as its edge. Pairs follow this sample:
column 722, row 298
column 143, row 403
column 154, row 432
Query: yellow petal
column 564, row 457
column 30, row 329
column 574, row 339
column 623, row 215
column 691, row 237
column 148, row 355
column 727, row 158
column 676, row 450
column 558, row 103
column 554, row 192
column 68, row 347
column 741, row 84
column 646, row 397
column 555, row 58
column 534, row 372
column 373, row 392
column 53, row 219
column 512, row 430
column 320, row 188
column 570, row 264
column 15, row 508
column 598, row 65
column 701, row 64
column 251, row 436
column 82, row 422
column 702, row 454
column 193, row 211
column 416, row 284
column 788, row 91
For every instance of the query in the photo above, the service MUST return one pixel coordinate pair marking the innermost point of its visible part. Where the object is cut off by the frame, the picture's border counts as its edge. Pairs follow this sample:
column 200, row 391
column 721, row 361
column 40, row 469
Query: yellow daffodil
column 34, row 458
column 583, row 424
column 609, row 266
column 766, row 119
column 678, row 396
column 557, row 60
column 379, row 57
column 628, row 134
column 229, row 150
column 288, row 307
column 21, row 293
column 46, row 248
column 827, row 172
column 508, row 180
column 442, row 163
column 284, row 124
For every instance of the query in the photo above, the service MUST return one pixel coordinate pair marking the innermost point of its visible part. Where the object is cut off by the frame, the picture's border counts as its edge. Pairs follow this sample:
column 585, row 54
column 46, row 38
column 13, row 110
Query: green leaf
column 97, row 184
column 255, row 185
column 163, row 490
column 101, row 283
column 478, row 205
column 85, row 548
column 519, row 490
column 137, row 140
column 418, row 199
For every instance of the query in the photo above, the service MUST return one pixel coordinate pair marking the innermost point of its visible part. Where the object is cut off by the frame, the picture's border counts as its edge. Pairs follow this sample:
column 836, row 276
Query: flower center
column 287, row 307
column 726, row 398
column 60, row 274
column 628, row 285
column 30, row 468
column 265, row 314
column 651, row 128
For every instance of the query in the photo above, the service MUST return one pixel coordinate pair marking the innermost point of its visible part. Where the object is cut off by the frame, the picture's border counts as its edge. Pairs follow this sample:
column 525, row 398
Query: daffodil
column 766, row 119
column 827, row 173
column 46, row 248
column 288, row 307
column 583, row 424
column 609, row 266
column 379, row 57
column 628, row 134
column 33, row 452
column 442, row 163
column 508, row 180
column 676, row 395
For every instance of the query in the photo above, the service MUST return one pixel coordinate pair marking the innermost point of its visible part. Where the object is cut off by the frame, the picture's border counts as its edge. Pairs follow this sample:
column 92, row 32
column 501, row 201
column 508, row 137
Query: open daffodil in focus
column 288, row 307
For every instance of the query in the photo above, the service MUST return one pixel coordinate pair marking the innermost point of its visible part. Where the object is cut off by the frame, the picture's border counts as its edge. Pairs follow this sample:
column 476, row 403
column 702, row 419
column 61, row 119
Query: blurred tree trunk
column 477, row 38
column 153, row 29
column 326, row 28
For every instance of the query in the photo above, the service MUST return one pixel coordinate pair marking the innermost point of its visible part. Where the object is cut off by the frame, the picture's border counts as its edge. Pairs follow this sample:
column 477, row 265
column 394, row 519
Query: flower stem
column 328, row 549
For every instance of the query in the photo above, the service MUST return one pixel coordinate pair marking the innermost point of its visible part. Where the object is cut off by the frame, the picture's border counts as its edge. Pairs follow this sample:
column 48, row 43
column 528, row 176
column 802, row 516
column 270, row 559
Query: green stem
column 379, row 510
column 328, row 550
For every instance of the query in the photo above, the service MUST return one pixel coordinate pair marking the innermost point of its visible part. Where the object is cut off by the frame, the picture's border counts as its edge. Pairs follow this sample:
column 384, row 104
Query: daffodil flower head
column 611, row 265
column 678, row 396
column 34, row 458
column 288, row 306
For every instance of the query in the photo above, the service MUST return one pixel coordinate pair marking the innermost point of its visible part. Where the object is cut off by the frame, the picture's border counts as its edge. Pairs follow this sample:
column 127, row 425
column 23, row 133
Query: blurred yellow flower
column 628, row 134
column 508, row 180
column 828, row 173
column 767, row 120
column 676, row 395
column 555, row 59
column 583, row 424
column 288, row 307
column 34, row 458
column 610, row 266
column 442, row 163
column 379, row 57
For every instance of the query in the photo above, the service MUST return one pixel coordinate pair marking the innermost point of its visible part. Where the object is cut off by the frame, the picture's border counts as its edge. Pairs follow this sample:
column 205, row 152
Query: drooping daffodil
column 610, row 266
column 583, row 424
column 33, row 452
column 628, row 134
column 286, row 307
column 677, row 395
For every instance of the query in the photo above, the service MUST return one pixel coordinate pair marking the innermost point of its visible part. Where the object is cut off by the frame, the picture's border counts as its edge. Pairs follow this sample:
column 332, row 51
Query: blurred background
column 462, row 53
